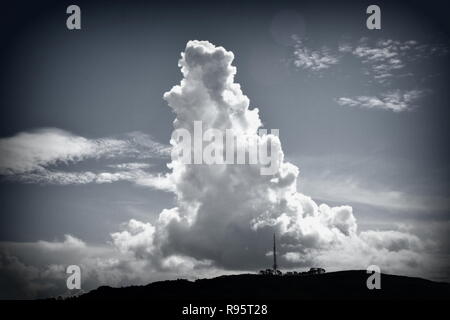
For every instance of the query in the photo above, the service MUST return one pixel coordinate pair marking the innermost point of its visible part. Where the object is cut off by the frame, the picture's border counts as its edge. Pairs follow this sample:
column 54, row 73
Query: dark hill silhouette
column 334, row 285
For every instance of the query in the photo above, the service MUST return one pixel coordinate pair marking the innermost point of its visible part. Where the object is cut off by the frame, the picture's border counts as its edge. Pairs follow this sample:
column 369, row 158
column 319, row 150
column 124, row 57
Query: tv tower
column 274, row 254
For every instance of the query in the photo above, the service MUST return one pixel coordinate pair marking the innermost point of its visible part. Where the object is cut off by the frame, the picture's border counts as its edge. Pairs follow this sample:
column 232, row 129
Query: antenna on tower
column 274, row 254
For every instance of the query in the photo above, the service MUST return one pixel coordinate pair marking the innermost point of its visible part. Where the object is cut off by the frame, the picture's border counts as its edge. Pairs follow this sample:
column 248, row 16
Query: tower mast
column 274, row 254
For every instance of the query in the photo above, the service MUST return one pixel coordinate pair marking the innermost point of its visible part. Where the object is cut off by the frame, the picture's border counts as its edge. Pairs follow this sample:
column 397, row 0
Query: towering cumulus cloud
column 226, row 214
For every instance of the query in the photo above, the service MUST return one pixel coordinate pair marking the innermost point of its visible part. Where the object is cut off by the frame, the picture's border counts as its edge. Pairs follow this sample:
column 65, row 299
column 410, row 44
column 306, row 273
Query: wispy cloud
column 216, row 210
column 315, row 60
column 366, row 180
column 351, row 190
column 383, row 61
column 43, row 157
column 37, row 269
column 387, row 58
column 139, row 177
column 396, row 101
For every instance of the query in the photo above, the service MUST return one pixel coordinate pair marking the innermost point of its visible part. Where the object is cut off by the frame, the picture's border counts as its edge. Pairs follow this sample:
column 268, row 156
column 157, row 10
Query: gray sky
column 362, row 113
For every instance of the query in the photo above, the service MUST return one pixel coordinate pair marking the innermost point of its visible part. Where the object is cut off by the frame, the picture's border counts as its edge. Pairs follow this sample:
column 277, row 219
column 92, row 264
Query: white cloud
column 130, row 165
column 396, row 101
column 383, row 62
column 70, row 242
column 159, row 181
column 363, row 179
column 32, row 270
column 37, row 150
column 38, row 269
column 392, row 240
column 44, row 177
column 38, row 157
column 137, row 238
column 315, row 60
column 226, row 213
column 28, row 151
column 386, row 59
column 383, row 59
column 184, row 264
column 331, row 189
column 130, row 174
